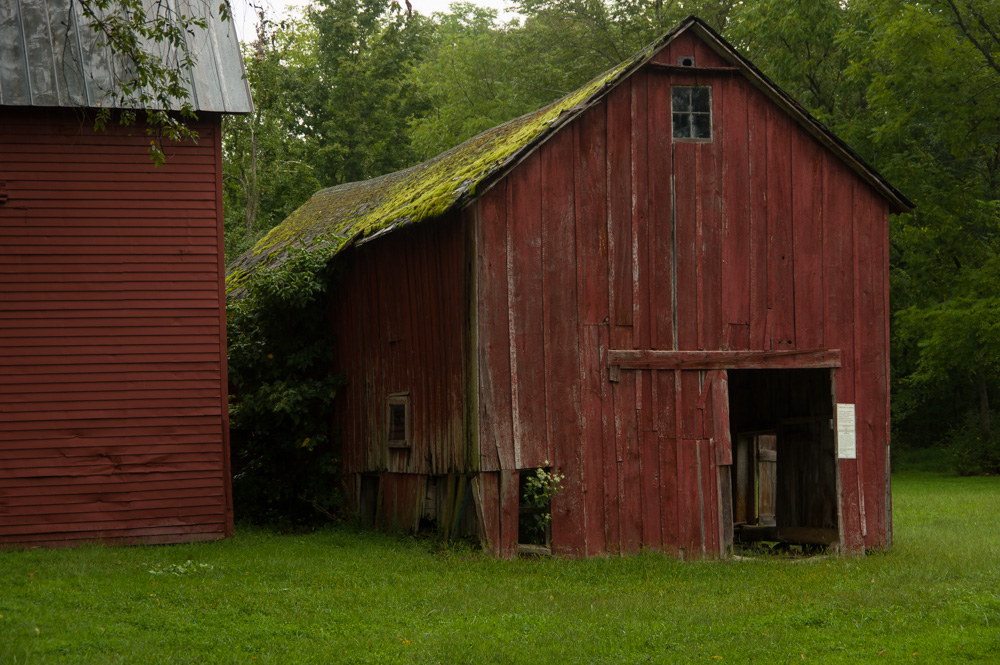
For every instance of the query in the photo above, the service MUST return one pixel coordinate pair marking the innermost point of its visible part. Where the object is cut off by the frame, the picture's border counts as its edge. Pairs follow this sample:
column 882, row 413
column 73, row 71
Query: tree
column 352, row 91
column 946, row 121
column 267, row 172
column 149, row 39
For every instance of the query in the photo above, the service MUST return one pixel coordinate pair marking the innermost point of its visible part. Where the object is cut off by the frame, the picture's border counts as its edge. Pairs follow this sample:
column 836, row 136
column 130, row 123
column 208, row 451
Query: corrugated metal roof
column 49, row 56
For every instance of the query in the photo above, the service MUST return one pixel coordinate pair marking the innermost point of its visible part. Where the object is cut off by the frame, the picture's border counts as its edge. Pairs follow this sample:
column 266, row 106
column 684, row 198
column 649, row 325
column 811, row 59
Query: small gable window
column 691, row 108
column 398, row 426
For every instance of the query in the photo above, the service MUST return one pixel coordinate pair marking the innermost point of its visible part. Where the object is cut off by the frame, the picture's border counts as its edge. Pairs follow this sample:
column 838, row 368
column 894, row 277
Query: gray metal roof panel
column 49, row 56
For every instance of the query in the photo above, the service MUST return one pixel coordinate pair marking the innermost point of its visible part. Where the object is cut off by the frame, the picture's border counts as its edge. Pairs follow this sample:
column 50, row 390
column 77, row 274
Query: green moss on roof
column 337, row 215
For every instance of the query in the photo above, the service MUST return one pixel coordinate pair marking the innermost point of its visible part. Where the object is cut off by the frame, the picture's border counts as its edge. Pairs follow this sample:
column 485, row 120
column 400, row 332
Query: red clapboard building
column 113, row 399
column 669, row 287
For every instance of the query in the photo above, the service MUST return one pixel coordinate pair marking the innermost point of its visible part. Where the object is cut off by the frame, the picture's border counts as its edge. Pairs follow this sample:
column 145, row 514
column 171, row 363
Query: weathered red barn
column 113, row 399
column 670, row 287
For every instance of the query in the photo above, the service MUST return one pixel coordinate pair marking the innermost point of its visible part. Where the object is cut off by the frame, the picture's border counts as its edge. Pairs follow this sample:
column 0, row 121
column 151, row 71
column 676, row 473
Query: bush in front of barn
column 282, row 386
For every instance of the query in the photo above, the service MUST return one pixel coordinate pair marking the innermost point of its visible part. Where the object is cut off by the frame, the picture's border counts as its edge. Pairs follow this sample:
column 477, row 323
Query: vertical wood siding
column 113, row 420
column 399, row 323
column 613, row 236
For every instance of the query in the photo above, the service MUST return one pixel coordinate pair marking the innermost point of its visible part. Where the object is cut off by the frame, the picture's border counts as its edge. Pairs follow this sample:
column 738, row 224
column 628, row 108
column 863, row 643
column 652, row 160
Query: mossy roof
column 338, row 216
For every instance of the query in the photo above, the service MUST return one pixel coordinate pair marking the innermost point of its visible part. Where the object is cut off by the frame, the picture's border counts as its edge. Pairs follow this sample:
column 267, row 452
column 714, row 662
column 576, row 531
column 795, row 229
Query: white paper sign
column 847, row 447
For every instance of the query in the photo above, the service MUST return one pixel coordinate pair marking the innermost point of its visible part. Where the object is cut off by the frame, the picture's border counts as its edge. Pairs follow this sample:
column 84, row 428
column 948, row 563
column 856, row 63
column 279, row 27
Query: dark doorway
column 784, row 471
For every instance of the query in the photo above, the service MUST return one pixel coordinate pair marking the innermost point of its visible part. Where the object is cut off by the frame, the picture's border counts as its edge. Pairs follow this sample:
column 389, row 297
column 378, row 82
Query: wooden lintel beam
column 648, row 359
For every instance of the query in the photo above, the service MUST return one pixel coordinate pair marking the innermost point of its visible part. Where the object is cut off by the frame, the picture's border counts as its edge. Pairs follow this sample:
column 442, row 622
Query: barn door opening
column 784, row 471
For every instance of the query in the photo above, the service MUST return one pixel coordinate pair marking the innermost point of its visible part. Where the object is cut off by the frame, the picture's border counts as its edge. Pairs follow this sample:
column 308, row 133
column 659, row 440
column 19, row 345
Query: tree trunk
column 984, row 406
column 253, row 193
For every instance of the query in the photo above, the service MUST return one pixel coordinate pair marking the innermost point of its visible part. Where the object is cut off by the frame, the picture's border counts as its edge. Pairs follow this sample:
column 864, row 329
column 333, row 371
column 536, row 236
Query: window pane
column 701, row 99
column 701, row 126
column 681, row 99
column 682, row 126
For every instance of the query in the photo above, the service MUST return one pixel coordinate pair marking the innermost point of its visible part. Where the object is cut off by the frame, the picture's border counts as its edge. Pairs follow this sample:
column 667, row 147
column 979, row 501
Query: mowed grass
column 341, row 596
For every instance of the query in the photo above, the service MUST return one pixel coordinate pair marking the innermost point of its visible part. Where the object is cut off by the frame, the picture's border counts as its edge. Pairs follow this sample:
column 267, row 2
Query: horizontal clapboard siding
column 112, row 335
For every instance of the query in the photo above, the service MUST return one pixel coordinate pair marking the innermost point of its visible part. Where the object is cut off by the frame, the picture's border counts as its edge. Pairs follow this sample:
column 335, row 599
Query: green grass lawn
column 339, row 596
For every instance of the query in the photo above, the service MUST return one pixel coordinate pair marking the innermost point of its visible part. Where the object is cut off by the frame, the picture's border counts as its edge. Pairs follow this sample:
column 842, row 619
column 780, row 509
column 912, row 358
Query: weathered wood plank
column 590, row 194
column 710, row 360
column 807, row 222
column 619, row 188
column 870, row 386
column 711, row 332
column 688, row 491
column 610, row 424
column 563, row 352
column 509, row 483
column 495, row 419
column 489, row 492
column 629, row 482
column 780, row 257
column 736, row 234
column 660, row 235
column 642, row 303
column 525, row 288
column 591, row 443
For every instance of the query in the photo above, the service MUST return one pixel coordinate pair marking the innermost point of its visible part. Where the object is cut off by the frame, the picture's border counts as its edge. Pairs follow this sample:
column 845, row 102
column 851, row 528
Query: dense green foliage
column 283, row 384
column 348, row 597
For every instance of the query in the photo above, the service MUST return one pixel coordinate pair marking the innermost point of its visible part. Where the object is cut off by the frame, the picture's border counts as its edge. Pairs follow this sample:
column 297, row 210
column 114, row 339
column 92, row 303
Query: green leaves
column 149, row 65
column 283, row 385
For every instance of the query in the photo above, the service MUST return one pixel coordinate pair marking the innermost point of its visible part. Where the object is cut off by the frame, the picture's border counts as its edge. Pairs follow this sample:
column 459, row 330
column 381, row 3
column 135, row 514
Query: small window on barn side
column 691, row 108
column 398, row 426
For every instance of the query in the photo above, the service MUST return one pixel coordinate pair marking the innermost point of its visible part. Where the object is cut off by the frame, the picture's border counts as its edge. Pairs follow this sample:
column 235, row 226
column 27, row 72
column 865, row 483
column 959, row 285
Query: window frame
column 689, row 112
column 396, row 400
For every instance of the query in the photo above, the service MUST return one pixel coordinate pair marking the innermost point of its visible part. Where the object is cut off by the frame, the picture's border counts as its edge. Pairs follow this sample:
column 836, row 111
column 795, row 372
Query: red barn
column 113, row 407
column 670, row 287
